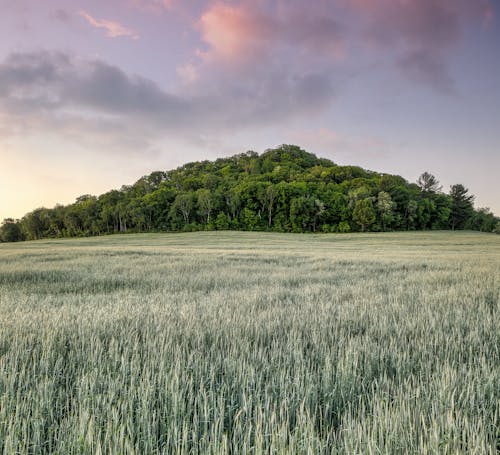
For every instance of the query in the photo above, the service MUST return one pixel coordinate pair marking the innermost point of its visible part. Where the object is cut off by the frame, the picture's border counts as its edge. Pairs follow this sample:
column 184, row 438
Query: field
column 220, row 342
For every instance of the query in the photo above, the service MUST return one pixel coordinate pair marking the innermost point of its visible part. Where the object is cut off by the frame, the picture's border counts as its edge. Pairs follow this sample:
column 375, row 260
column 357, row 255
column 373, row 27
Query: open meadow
column 235, row 342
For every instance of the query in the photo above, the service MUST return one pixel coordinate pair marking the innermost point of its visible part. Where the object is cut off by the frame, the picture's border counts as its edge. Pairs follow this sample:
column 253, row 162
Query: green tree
column 267, row 196
column 482, row 220
column 183, row 205
column 10, row 231
column 222, row 222
column 205, row 204
column 462, row 207
column 36, row 224
column 441, row 213
column 249, row 219
column 385, row 208
column 425, row 210
column 411, row 214
column 364, row 213
column 302, row 213
column 344, row 227
column 233, row 202
column 319, row 211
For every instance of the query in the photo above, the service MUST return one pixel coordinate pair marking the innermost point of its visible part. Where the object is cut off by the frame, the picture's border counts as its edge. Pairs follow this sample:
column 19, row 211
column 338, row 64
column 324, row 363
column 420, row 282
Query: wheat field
column 251, row 343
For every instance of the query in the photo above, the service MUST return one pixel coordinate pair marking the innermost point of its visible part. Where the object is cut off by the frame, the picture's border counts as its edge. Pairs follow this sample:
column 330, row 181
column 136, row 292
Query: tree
column 267, row 196
column 157, row 205
column 441, row 212
column 249, row 219
column 222, row 222
column 205, row 204
column 482, row 220
column 344, row 227
column 364, row 213
column 385, row 207
column 10, row 231
column 183, row 204
column 357, row 194
column 123, row 213
column 233, row 202
column 319, row 211
column 428, row 183
column 411, row 214
column 426, row 208
column 461, row 206
column 302, row 213
column 35, row 225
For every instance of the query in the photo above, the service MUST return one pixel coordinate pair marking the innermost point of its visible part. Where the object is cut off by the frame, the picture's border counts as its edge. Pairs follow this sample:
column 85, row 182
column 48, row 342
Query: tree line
column 285, row 190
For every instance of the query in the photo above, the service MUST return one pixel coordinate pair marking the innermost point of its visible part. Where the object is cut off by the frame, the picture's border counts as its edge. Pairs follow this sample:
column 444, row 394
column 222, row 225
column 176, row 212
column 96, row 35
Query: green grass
column 227, row 342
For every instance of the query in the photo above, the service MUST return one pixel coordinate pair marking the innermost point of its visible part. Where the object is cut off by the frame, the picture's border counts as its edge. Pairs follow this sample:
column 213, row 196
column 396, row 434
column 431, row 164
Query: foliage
column 385, row 207
column 482, row 220
column 10, row 231
column 462, row 208
column 429, row 183
column 285, row 189
column 364, row 213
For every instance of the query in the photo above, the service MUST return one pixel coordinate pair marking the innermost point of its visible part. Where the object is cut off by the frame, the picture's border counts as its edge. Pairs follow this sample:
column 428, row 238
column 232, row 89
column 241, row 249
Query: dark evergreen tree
column 461, row 206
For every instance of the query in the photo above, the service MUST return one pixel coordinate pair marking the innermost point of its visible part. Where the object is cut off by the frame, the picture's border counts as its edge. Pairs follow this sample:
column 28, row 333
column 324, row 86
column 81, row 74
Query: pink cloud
column 281, row 49
column 232, row 32
column 252, row 31
column 113, row 29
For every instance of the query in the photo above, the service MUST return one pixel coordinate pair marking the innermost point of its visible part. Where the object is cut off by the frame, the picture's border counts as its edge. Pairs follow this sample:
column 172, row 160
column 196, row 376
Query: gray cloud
column 88, row 101
column 108, row 89
column 421, row 33
column 428, row 68
column 45, row 79
column 56, row 93
column 62, row 15
column 264, row 63
column 20, row 70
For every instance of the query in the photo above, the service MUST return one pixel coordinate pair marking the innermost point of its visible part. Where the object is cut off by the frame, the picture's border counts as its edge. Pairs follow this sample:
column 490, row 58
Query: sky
column 95, row 94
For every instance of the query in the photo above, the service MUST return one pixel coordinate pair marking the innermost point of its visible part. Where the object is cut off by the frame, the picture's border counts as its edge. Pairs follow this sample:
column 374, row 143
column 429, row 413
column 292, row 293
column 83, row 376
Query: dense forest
column 285, row 190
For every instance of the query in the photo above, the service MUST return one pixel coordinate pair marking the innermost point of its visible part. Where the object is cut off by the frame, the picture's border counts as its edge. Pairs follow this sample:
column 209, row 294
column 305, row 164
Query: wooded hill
column 285, row 189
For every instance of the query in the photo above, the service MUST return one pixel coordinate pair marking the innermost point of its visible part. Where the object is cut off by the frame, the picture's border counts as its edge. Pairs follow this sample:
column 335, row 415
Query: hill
column 285, row 189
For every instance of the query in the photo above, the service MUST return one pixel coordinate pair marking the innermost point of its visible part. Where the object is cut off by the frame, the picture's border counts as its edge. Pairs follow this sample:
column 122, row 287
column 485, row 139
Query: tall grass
column 215, row 343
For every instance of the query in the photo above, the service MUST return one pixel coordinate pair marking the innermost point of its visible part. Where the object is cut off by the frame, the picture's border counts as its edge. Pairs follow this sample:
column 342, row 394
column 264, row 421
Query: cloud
column 421, row 33
column 259, row 64
column 62, row 15
column 427, row 68
column 250, row 31
column 265, row 63
column 84, row 100
column 417, row 35
column 92, row 102
column 113, row 29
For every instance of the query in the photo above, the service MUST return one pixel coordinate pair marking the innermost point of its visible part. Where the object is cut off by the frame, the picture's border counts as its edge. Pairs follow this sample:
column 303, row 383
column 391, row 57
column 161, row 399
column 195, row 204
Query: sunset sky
column 94, row 94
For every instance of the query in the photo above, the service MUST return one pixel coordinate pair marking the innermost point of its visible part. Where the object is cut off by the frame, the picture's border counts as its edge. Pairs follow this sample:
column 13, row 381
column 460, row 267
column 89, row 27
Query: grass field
column 213, row 343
